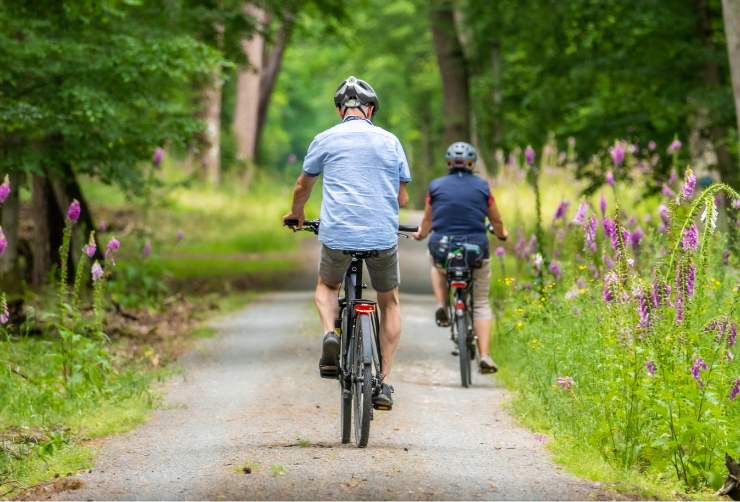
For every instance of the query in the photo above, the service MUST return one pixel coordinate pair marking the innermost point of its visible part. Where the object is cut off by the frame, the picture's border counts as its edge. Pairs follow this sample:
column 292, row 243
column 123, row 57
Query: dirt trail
column 251, row 398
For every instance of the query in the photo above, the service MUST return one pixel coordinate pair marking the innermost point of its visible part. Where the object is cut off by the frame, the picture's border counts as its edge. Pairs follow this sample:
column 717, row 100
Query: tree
column 731, row 14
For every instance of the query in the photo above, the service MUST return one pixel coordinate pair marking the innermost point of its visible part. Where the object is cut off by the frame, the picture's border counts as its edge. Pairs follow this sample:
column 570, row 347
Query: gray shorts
column 384, row 273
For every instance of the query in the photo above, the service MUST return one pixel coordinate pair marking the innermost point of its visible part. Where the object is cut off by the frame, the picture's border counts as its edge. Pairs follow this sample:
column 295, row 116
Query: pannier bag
column 456, row 252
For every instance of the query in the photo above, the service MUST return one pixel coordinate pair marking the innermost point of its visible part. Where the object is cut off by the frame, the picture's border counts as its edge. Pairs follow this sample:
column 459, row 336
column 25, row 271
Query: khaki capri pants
column 481, row 289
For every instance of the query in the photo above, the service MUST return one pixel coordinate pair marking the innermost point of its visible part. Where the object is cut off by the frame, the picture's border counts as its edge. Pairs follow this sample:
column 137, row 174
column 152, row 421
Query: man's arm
column 426, row 223
column 301, row 193
column 403, row 195
column 496, row 221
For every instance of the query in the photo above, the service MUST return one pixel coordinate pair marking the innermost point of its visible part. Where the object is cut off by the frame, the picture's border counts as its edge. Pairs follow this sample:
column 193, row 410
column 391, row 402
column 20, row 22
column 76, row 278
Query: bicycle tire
column 462, row 347
column 362, row 381
column 345, row 385
column 345, row 397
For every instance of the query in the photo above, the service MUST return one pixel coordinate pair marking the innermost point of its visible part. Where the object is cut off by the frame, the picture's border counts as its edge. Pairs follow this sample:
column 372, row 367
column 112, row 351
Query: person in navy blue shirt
column 457, row 206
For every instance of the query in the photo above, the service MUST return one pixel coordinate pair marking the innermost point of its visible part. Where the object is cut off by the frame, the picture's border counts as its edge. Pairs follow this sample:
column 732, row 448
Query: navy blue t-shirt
column 460, row 203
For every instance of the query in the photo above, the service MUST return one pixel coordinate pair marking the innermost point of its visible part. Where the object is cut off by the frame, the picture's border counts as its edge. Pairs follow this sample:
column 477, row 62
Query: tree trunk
column 10, row 223
column 453, row 71
column 209, row 156
column 40, row 198
column 273, row 61
column 248, row 89
column 731, row 15
column 728, row 170
column 65, row 188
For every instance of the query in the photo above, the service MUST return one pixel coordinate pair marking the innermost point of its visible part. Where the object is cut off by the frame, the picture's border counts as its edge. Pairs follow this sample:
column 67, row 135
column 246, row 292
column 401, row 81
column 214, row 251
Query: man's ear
column 370, row 111
column 339, row 112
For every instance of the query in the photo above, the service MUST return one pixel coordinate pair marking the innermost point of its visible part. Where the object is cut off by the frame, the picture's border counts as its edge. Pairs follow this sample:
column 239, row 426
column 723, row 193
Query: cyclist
column 457, row 206
column 365, row 172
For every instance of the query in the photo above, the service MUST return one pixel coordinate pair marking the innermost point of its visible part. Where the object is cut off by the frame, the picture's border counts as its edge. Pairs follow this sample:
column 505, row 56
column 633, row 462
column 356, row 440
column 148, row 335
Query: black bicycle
column 360, row 361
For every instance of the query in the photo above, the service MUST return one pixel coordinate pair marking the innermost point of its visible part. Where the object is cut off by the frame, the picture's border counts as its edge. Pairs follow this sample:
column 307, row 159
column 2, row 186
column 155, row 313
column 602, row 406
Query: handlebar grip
column 290, row 222
column 407, row 228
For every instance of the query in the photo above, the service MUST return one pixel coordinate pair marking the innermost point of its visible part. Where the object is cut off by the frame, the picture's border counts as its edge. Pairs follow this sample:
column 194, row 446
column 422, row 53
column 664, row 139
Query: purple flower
column 609, row 262
column 735, row 390
column 500, row 251
column 96, row 271
column 697, row 368
column 90, row 248
column 689, row 184
column 73, row 211
column 103, row 226
column 111, row 249
column 561, row 210
column 732, row 336
column 636, row 238
column 531, row 246
column 554, row 269
column 674, row 146
column 617, row 153
column 650, row 367
column 5, row 189
column 661, row 292
column 180, row 235
column 589, row 230
column 610, row 229
column 690, row 278
column 538, row 261
column 609, row 178
column 529, row 155
column 521, row 248
column 602, row 205
column 566, row 382
column 651, row 145
column 4, row 313
column 679, row 307
column 3, row 242
column 610, row 282
column 146, row 251
column 667, row 192
column 580, row 216
column 643, row 309
column 665, row 215
column 158, row 156
column 690, row 239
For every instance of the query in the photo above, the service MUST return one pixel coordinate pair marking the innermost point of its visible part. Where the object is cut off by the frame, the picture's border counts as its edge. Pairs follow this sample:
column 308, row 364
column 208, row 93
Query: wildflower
column 712, row 223
column 635, row 238
column 617, row 153
column 697, row 368
column 5, row 189
column 665, row 215
column 180, row 235
column 158, row 156
column 689, row 184
column 500, row 252
column 589, row 231
column 735, row 390
column 90, row 248
column 610, row 282
column 651, row 145
column 521, row 248
column 660, row 293
column 690, row 278
column 147, row 249
column 96, row 271
column 73, row 211
column 4, row 312
column 674, row 146
column 531, row 246
column 609, row 178
column 566, row 382
column 529, row 155
column 580, row 216
column 609, row 262
column 650, row 367
column 602, row 205
column 554, row 269
column 610, row 230
column 667, row 192
column 561, row 210
column 643, row 309
column 572, row 293
column 3, row 242
column 679, row 308
column 103, row 226
column 538, row 261
column 690, row 239
column 111, row 249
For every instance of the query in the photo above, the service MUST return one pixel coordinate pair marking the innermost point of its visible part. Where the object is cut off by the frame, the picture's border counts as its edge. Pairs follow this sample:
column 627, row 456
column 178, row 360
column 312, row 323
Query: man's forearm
column 301, row 194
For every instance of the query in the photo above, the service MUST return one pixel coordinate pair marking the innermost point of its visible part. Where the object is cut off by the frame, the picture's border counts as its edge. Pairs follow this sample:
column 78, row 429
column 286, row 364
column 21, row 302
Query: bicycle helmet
column 461, row 155
column 353, row 93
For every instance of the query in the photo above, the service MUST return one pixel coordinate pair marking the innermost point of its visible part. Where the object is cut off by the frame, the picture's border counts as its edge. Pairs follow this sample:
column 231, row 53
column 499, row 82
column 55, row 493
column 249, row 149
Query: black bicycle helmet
column 461, row 155
column 353, row 93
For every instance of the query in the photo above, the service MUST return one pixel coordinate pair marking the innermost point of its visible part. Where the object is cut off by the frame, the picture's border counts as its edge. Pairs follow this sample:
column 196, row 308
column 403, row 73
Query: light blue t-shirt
column 362, row 165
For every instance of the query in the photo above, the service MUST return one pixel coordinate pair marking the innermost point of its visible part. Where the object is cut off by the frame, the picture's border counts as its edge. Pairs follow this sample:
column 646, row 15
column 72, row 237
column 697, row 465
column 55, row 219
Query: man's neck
column 356, row 113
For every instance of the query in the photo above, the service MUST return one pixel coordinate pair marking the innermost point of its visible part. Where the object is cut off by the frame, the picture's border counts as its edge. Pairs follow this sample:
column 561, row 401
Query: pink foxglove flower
column 500, row 252
column 696, row 369
column 689, row 184
column 735, row 390
column 667, row 192
column 529, row 155
column 554, row 269
column 5, row 189
column 674, row 146
column 4, row 312
column 652, row 145
column 602, row 205
column 609, row 178
column 158, row 156
column 3, row 242
column 650, row 367
column 147, row 249
column 617, row 152
column 73, row 211
column 580, row 216
column 111, row 249
column 90, row 248
column 690, row 239
column 561, row 210
column 96, row 271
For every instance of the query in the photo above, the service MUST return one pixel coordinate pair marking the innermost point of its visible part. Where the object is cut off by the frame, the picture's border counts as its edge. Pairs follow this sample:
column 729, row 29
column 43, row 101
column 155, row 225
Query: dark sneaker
column 329, row 362
column 443, row 320
column 487, row 365
column 382, row 399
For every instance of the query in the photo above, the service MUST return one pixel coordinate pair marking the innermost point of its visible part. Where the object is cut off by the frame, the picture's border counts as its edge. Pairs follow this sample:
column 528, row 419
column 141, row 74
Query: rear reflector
column 364, row 308
column 458, row 284
column 459, row 305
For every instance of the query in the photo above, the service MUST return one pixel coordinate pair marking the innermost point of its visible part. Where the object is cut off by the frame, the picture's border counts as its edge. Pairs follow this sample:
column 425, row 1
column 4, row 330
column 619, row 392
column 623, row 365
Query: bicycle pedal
column 328, row 371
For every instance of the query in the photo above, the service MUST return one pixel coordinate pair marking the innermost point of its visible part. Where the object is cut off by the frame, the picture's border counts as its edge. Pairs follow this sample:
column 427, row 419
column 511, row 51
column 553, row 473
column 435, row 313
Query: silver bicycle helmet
column 353, row 93
column 461, row 155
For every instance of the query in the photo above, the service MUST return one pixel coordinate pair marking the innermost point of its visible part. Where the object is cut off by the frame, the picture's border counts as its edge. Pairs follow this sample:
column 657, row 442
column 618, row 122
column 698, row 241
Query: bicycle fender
column 366, row 326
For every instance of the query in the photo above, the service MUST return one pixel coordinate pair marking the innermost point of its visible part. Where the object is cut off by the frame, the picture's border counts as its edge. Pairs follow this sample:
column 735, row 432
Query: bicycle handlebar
column 313, row 226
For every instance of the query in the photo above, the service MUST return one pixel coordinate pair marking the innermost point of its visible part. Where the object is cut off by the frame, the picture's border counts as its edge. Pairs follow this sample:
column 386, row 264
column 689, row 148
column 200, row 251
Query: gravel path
column 250, row 400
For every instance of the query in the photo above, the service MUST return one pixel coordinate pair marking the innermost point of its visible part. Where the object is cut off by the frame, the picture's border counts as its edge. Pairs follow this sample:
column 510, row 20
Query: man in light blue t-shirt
column 364, row 173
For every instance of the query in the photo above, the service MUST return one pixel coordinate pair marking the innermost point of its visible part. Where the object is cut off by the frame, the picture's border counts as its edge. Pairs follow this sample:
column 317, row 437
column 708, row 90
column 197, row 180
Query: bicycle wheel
column 462, row 347
column 362, row 380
